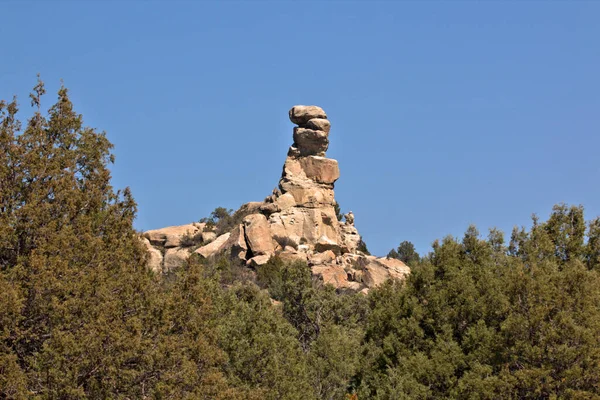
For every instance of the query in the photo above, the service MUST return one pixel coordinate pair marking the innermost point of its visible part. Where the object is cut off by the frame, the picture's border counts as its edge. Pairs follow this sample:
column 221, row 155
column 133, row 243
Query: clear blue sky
column 443, row 114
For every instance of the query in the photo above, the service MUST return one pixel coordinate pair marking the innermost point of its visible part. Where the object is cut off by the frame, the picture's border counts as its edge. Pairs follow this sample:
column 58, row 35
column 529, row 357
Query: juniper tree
column 80, row 314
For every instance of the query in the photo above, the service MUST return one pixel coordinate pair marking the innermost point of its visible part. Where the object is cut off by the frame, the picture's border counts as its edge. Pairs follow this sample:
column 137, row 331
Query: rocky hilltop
column 298, row 221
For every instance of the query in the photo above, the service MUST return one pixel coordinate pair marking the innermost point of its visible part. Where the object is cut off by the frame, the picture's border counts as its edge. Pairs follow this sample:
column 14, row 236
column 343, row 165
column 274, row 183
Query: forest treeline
column 81, row 317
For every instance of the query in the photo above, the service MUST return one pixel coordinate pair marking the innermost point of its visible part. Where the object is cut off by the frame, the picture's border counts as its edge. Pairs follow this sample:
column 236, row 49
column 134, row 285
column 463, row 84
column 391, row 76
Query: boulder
column 237, row 243
column 252, row 207
column 170, row 236
column 208, row 236
column 305, row 225
column 291, row 255
column 334, row 275
column 175, row 257
column 297, row 222
column 319, row 124
column 349, row 218
column 269, row 208
column 326, row 257
column 320, row 169
column 285, row 201
column 310, row 142
column 350, row 238
column 258, row 260
column 258, row 235
column 213, row 247
column 325, row 243
column 308, row 196
column 155, row 257
column 199, row 225
column 292, row 169
column 300, row 115
column 396, row 268
column 378, row 270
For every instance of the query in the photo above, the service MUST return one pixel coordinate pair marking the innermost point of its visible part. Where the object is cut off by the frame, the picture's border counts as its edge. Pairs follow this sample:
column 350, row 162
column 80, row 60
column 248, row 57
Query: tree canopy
column 82, row 317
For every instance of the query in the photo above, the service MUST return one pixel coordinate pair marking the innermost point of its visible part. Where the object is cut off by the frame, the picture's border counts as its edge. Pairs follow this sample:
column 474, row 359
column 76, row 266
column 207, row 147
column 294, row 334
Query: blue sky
column 443, row 113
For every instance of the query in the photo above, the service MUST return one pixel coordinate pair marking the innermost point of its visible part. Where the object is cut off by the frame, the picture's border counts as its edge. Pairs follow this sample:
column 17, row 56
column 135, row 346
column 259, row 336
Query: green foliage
column 338, row 211
column 362, row 246
column 222, row 220
column 191, row 240
column 406, row 253
column 82, row 317
column 329, row 325
column 478, row 320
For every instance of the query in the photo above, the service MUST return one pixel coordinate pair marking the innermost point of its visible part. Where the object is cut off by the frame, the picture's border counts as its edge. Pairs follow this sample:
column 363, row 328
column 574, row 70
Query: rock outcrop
column 298, row 221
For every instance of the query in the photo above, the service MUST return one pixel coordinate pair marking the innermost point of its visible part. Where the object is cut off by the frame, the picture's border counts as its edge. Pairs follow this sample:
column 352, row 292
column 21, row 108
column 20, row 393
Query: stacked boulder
column 297, row 222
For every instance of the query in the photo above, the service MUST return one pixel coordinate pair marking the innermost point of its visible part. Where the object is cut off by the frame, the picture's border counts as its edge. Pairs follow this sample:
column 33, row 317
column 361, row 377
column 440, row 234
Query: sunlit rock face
column 297, row 222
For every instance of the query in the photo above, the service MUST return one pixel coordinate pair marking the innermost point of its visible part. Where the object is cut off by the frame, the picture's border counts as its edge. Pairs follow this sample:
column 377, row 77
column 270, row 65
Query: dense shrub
column 81, row 316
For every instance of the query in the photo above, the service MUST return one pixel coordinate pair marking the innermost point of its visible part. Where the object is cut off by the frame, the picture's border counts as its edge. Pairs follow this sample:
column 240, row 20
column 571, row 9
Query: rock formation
column 296, row 222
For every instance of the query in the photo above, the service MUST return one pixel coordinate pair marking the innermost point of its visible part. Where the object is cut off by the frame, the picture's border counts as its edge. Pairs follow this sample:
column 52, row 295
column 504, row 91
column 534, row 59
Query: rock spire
column 297, row 221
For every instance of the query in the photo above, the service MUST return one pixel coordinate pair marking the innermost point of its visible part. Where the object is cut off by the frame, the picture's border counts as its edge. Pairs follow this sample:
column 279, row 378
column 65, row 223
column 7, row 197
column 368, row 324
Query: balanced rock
column 320, row 169
column 319, row 124
column 300, row 115
column 296, row 222
column 310, row 142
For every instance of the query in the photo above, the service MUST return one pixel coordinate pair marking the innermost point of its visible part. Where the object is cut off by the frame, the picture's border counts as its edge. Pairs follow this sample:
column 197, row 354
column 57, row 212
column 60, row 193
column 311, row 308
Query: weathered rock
column 258, row 260
column 396, row 268
column 308, row 196
column 302, row 114
column 175, row 257
column 292, row 169
column 374, row 275
column 252, row 207
column 326, row 257
column 350, row 238
column 170, row 236
column 320, row 169
column 237, row 243
column 355, row 275
column 378, row 270
column 334, row 275
column 269, row 208
column 213, row 247
column 305, row 225
column 319, row 124
column 297, row 222
column 349, row 218
column 285, row 201
column 293, row 152
column 155, row 257
column 325, row 243
column 258, row 235
column 208, row 236
column 199, row 225
column 291, row 255
column 311, row 143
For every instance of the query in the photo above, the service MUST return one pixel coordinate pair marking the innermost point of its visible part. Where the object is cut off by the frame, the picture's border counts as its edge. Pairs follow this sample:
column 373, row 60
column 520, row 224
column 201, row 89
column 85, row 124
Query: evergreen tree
column 405, row 252
column 81, row 315
column 476, row 321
